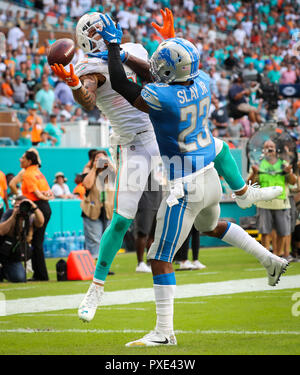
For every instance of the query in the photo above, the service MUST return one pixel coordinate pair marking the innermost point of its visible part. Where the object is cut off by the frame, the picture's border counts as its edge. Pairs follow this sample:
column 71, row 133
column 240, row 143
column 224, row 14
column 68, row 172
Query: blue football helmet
column 175, row 60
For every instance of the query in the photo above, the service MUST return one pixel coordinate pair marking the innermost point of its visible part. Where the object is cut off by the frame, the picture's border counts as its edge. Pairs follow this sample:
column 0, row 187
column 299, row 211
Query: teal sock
column 110, row 244
column 226, row 166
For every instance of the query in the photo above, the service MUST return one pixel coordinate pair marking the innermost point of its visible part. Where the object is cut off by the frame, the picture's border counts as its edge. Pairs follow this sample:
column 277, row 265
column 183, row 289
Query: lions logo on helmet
column 87, row 38
column 175, row 60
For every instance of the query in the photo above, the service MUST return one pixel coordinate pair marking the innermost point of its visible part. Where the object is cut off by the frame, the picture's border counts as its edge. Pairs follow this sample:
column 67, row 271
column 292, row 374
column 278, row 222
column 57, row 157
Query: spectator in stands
column 7, row 91
column 22, row 71
column 45, row 98
column 3, row 191
column 36, row 124
column 46, row 140
column 275, row 214
column 25, row 134
column 60, row 189
column 79, row 190
column 10, row 63
column 63, row 93
column 31, row 83
column 78, row 114
column 76, row 10
column 54, row 129
column 289, row 76
column 36, row 64
column 151, row 45
column 20, row 90
column 219, row 118
column 238, row 103
column 14, row 35
column 223, row 84
column 35, row 187
column 231, row 62
column 250, row 73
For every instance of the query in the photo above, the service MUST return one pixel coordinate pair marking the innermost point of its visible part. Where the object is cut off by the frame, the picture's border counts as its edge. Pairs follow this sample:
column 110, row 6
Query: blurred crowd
column 234, row 39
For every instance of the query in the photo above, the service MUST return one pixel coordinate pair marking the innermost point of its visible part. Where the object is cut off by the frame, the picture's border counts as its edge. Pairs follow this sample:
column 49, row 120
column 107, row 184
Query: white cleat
column 256, row 194
column 198, row 265
column 91, row 301
column 187, row 265
column 276, row 268
column 142, row 267
column 154, row 338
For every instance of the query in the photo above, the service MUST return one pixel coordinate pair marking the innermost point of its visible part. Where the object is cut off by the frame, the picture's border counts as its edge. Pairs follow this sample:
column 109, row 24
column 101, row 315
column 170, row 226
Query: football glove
column 104, row 55
column 110, row 32
column 70, row 78
column 167, row 29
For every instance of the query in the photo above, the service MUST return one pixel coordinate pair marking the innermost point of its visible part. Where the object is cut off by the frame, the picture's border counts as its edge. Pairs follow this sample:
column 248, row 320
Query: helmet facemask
column 87, row 37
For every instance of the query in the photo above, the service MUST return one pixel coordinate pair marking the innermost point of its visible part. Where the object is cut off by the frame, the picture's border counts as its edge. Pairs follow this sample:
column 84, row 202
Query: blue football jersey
column 179, row 115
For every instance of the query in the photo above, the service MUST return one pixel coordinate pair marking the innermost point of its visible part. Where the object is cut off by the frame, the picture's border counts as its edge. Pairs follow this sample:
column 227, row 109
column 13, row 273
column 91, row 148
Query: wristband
column 126, row 57
column 77, row 86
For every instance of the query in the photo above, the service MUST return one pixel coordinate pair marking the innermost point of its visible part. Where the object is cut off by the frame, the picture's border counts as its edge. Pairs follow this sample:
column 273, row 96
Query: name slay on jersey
column 193, row 93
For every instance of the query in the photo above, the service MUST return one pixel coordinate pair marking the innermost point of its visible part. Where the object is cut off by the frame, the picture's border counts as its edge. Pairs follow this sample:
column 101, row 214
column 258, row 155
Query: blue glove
column 110, row 32
column 104, row 55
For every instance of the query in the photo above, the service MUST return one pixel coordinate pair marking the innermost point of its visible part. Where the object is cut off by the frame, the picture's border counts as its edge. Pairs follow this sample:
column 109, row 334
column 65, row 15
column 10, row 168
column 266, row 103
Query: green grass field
column 255, row 322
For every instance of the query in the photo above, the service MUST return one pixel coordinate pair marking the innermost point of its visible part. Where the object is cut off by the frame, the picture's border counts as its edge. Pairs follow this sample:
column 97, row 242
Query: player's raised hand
column 110, row 32
column 104, row 55
column 70, row 78
column 167, row 29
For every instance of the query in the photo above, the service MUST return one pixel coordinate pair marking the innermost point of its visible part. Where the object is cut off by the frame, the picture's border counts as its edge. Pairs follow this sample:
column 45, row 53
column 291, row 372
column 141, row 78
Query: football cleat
column 198, row 265
column 256, row 194
column 154, row 338
column 276, row 268
column 187, row 265
column 142, row 267
column 91, row 301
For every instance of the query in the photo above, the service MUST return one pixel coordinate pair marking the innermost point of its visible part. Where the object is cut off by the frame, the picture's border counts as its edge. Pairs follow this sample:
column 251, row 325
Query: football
column 61, row 52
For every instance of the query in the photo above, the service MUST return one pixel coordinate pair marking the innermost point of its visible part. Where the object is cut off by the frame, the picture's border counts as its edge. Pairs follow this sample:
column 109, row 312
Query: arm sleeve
column 118, row 79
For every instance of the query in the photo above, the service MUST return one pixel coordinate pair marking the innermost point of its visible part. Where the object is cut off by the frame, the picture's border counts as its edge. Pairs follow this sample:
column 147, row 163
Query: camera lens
column 25, row 208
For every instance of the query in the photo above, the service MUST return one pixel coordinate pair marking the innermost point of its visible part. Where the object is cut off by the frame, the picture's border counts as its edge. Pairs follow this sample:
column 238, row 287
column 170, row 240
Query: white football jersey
column 125, row 119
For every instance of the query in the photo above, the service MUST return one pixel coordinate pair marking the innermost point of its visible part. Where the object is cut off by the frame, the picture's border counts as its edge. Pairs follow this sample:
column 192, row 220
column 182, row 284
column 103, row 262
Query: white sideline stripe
column 124, row 297
column 99, row 331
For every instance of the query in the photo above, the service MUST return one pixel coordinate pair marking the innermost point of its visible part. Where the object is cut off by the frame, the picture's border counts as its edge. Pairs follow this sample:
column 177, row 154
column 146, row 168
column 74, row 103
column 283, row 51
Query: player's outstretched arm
column 140, row 67
column 129, row 90
column 83, row 89
column 119, row 82
column 86, row 95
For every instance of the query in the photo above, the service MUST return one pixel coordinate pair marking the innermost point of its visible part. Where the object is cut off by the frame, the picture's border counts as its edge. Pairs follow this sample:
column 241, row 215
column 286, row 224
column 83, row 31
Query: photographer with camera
column 97, row 205
column 274, row 214
column 35, row 187
column 16, row 232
